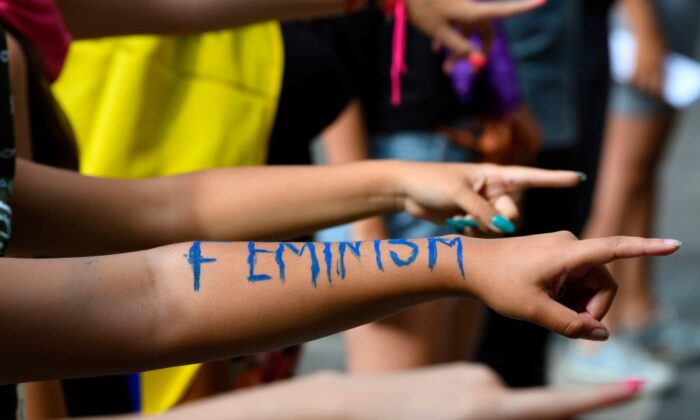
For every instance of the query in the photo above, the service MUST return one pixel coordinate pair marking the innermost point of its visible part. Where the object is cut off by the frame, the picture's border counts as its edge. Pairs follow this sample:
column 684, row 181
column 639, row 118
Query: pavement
column 677, row 277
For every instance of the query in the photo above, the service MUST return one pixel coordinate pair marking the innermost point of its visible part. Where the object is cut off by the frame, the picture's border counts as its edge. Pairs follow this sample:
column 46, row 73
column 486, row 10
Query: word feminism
column 322, row 256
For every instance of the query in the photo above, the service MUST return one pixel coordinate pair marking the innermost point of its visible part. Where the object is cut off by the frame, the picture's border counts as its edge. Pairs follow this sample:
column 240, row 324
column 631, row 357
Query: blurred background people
column 638, row 128
column 561, row 56
column 434, row 121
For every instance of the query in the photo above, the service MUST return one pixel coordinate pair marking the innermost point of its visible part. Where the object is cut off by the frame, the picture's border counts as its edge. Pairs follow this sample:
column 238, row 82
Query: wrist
column 387, row 183
column 457, row 276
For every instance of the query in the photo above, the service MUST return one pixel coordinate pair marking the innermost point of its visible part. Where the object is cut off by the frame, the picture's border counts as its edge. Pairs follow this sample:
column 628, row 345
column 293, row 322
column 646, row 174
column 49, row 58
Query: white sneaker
column 614, row 361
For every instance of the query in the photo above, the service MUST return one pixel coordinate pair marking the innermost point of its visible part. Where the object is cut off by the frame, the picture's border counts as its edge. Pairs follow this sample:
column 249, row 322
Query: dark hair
column 53, row 141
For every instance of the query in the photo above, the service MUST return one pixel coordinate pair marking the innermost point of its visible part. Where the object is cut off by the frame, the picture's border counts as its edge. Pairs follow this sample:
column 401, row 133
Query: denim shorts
column 411, row 146
column 678, row 20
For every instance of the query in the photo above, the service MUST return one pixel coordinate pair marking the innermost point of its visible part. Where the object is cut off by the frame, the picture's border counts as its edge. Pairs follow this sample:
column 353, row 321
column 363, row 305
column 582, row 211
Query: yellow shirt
column 145, row 106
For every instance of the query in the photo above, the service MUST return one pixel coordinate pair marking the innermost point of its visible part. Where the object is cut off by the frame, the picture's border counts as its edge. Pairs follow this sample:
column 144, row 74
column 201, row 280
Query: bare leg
column 623, row 205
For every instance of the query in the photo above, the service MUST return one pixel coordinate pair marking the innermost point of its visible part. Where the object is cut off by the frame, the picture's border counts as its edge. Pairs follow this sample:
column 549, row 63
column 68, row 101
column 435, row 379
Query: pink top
column 40, row 22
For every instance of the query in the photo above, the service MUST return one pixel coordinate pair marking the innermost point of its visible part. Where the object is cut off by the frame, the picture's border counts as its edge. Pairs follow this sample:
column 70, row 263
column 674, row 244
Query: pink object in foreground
column 634, row 384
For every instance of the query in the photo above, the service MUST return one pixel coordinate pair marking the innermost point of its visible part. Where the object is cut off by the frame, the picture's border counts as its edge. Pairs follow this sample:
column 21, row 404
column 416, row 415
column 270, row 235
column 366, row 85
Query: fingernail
column 582, row 176
column 502, row 224
column 599, row 334
column 458, row 225
column 633, row 384
column 477, row 60
column 540, row 2
column 673, row 242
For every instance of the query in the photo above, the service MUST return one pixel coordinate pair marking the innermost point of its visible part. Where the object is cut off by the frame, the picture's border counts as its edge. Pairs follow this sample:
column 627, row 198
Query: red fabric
column 40, row 22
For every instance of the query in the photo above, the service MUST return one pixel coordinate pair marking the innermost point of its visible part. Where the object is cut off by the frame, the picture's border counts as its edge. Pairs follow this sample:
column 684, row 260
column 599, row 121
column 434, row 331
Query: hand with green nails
column 485, row 193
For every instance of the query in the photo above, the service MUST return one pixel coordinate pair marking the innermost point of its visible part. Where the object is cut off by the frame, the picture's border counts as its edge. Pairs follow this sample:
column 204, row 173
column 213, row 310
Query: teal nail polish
column 581, row 176
column 458, row 225
column 503, row 224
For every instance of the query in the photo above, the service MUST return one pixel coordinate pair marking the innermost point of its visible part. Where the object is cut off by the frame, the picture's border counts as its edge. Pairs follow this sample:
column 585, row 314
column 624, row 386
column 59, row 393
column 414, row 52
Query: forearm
column 60, row 213
column 93, row 18
column 291, row 401
column 207, row 301
column 283, row 202
column 331, row 400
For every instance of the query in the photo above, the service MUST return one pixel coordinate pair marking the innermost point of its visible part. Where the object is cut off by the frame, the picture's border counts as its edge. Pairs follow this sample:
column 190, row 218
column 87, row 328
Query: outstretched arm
column 456, row 391
column 205, row 301
column 437, row 18
column 61, row 213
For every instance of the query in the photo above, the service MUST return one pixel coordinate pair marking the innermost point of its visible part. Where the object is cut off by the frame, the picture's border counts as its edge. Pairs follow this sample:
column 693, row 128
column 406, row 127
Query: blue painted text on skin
column 328, row 257
column 354, row 248
column 279, row 257
column 378, row 254
column 252, row 259
column 433, row 251
column 402, row 252
column 195, row 259
column 397, row 259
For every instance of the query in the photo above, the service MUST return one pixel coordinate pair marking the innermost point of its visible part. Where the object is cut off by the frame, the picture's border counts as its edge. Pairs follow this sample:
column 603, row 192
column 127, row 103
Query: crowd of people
column 172, row 232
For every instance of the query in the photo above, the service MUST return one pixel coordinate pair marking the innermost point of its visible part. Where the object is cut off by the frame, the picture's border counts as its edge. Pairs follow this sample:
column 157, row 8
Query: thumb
column 544, row 403
column 599, row 251
column 565, row 321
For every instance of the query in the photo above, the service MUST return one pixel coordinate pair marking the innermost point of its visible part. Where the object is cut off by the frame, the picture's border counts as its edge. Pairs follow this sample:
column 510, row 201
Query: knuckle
column 573, row 328
column 565, row 235
column 614, row 242
column 486, row 374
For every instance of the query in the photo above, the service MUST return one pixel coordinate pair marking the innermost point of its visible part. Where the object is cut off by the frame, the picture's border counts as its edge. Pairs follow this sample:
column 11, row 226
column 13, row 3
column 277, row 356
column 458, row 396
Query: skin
column 648, row 74
column 437, row 18
column 157, row 317
column 433, row 332
column 54, row 189
column 245, row 203
column 458, row 391
column 634, row 145
column 624, row 204
column 126, row 215
column 108, row 19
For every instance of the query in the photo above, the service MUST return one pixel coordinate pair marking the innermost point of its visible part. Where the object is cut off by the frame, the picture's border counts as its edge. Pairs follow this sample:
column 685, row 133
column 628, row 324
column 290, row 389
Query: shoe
column 671, row 339
column 614, row 361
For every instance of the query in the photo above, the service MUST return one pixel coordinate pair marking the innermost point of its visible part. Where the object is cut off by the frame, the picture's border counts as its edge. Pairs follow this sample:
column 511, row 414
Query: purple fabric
column 494, row 90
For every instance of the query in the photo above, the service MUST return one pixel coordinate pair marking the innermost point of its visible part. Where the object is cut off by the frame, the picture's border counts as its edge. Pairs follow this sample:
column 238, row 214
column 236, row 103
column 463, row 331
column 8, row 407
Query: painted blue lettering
column 398, row 260
column 279, row 257
column 252, row 259
column 433, row 251
column 354, row 248
column 195, row 259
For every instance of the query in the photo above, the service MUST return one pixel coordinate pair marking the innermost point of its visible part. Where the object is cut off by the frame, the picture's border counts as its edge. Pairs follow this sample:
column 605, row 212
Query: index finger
column 599, row 251
column 546, row 403
column 500, row 9
column 518, row 178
